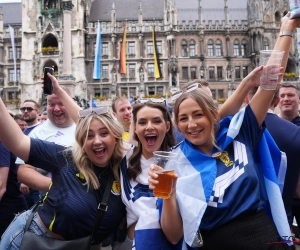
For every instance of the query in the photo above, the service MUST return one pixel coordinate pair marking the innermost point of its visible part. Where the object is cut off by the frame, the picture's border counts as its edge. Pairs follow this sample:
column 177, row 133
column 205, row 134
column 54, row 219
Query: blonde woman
column 79, row 175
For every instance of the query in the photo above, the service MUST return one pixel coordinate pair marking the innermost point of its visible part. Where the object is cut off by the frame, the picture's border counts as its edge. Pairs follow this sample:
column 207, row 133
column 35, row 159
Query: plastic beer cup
column 165, row 177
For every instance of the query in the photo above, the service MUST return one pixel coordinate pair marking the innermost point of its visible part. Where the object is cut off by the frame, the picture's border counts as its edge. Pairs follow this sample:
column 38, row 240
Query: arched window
column 218, row 47
column 244, row 47
column 184, row 52
column 192, row 48
column 285, row 12
column 210, row 47
column 266, row 44
column 51, row 64
column 236, row 47
column 50, row 41
column 277, row 17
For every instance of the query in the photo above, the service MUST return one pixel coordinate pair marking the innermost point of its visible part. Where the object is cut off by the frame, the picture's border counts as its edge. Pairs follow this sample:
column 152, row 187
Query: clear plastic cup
column 165, row 177
column 271, row 60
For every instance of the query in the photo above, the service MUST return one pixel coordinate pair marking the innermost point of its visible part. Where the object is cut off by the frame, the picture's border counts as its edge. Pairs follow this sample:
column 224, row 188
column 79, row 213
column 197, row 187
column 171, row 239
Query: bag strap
column 103, row 206
column 34, row 208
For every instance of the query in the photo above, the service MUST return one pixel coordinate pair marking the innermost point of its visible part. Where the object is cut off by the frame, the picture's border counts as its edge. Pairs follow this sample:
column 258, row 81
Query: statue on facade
column 141, row 74
column 173, row 65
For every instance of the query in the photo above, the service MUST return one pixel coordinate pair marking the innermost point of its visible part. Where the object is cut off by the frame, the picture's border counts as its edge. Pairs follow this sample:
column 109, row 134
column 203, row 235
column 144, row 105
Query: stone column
column 67, row 39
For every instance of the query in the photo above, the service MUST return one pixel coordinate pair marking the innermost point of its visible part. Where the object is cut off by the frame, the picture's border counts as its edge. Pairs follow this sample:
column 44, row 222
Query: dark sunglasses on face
column 187, row 89
column 29, row 109
column 98, row 111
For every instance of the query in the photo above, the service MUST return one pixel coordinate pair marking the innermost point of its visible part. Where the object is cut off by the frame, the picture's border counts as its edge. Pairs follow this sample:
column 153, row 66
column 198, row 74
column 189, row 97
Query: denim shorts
column 12, row 237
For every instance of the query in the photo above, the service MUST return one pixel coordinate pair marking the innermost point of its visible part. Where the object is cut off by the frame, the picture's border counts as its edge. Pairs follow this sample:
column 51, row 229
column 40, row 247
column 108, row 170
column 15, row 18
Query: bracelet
column 286, row 33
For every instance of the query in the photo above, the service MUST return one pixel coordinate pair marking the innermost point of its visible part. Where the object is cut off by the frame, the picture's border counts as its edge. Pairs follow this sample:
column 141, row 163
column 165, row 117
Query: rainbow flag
column 157, row 71
column 97, row 65
column 123, row 52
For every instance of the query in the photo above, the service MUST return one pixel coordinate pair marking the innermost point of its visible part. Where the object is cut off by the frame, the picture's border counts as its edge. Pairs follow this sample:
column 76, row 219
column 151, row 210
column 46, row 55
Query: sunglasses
column 29, row 109
column 153, row 100
column 190, row 88
column 98, row 111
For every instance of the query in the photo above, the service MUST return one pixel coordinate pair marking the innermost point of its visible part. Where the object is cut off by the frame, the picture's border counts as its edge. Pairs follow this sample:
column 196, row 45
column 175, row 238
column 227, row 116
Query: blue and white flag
column 192, row 205
column 92, row 103
column 97, row 65
column 12, row 37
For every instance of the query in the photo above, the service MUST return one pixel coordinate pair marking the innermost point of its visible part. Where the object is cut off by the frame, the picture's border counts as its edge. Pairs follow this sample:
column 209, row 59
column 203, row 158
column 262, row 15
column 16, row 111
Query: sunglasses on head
column 98, row 111
column 153, row 100
column 29, row 109
column 190, row 88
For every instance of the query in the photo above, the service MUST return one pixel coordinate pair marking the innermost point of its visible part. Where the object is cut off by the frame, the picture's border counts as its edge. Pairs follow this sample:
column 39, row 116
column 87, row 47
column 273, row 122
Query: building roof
column 12, row 13
column 126, row 9
column 211, row 10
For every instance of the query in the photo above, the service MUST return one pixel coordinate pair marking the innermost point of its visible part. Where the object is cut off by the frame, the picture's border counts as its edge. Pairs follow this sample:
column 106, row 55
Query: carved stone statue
column 173, row 65
column 141, row 74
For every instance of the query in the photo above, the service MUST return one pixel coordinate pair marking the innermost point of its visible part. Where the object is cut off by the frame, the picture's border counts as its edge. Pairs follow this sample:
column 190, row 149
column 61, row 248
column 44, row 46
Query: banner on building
column 122, row 67
column 157, row 71
column 12, row 37
column 97, row 65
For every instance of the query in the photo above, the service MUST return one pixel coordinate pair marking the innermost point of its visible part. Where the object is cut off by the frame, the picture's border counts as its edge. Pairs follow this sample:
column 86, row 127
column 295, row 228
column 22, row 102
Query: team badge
column 116, row 188
column 223, row 156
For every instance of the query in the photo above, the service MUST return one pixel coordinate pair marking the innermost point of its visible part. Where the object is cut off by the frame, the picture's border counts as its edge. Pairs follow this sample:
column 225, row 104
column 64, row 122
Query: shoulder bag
column 37, row 242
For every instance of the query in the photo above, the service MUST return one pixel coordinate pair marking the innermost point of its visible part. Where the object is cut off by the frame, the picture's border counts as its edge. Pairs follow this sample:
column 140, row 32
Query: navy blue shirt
column 238, row 185
column 287, row 137
column 12, row 201
column 69, row 208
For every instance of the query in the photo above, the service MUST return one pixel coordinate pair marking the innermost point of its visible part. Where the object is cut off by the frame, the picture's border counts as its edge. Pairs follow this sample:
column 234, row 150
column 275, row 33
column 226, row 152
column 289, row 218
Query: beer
column 164, row 188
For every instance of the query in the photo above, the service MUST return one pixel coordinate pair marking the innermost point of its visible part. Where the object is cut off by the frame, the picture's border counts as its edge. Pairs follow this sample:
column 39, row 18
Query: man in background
column 20, row 121
column 122, row 110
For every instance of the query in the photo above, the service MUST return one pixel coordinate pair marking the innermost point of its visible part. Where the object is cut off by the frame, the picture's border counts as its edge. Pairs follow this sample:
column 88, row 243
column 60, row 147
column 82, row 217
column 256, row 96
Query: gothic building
column 216, row 40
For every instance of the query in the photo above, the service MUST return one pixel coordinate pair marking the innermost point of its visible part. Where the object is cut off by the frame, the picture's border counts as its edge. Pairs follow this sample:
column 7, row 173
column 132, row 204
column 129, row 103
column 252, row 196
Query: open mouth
column 99, row 152
column 151, row 139
column 195, row 133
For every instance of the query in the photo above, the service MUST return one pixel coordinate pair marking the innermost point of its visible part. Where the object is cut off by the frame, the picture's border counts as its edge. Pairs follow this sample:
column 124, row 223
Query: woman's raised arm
column 12, row 136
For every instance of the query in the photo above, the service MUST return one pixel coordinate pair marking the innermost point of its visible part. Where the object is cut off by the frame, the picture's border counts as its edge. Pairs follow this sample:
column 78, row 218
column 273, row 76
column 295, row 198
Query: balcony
column 50, row 51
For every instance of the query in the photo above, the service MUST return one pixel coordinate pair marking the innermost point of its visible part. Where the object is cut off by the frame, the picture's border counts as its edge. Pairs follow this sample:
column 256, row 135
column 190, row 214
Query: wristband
column 286, row 33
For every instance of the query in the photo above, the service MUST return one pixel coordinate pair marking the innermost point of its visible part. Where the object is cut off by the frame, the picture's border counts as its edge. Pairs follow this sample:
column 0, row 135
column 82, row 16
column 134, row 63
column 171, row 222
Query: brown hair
column 135, row 160
column 207, row 105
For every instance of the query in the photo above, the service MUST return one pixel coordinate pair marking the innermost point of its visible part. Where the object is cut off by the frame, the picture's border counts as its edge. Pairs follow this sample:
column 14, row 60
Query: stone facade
column 218, row 41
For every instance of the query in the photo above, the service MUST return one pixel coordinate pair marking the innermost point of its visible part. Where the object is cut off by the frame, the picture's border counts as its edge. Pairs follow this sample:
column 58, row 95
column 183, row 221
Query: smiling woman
column 79, row 174
column 153, row 131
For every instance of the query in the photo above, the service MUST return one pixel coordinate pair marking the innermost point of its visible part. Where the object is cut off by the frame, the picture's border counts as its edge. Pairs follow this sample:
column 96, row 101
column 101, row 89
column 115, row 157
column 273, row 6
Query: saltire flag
column 157, row 71
column 97, row 65
column 122, row 67
column 12, row 37
column 92, row 103
column 272, row 162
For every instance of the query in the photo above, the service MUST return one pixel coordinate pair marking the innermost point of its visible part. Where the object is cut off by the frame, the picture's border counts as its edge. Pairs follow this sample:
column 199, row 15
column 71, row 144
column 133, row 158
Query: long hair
column 81, row 160
column 207, row 105
column 134, row 168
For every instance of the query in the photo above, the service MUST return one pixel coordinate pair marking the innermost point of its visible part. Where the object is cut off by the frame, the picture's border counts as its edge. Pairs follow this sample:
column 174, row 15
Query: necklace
column 100, row 171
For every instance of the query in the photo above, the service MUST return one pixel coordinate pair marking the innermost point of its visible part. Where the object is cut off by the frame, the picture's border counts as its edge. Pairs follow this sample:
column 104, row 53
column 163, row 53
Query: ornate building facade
column 215, row 40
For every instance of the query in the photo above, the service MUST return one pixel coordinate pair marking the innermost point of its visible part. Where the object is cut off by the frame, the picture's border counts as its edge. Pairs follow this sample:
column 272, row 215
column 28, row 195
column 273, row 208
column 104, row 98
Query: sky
column 9, row 1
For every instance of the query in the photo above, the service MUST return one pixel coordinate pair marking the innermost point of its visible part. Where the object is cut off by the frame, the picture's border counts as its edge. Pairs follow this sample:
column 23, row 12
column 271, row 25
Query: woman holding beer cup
column 219, row 198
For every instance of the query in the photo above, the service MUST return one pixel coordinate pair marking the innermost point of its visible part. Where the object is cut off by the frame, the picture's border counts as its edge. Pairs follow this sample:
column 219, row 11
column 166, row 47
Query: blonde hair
column 207, row 105
column 81, row 160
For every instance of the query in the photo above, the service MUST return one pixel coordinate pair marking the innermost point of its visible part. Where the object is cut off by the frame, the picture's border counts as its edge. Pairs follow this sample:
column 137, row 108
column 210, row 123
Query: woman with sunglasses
column 79, row 175
column 153, row 130
column 219, row 200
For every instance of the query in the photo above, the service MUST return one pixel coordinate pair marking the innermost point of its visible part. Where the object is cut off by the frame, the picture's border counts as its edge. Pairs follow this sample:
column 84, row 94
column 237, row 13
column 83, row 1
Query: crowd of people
column 220, row 198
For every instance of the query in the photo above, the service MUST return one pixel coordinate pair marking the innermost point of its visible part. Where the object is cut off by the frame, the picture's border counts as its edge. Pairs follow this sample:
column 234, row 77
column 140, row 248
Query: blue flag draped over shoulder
column 97, row 65
column 196, row 172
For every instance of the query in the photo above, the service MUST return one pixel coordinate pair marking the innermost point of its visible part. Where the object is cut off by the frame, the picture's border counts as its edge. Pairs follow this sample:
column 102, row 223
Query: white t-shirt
column 136, row 194
column 48, row 132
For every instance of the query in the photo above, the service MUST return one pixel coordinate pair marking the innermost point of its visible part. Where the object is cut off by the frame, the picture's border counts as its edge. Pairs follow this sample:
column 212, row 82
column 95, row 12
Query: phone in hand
column 47, row 81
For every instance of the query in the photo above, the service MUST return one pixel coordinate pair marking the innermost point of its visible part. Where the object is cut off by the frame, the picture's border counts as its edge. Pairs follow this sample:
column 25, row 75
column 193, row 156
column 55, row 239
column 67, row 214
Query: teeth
column 150, row 135
column 194, row 133
column 98, row 150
